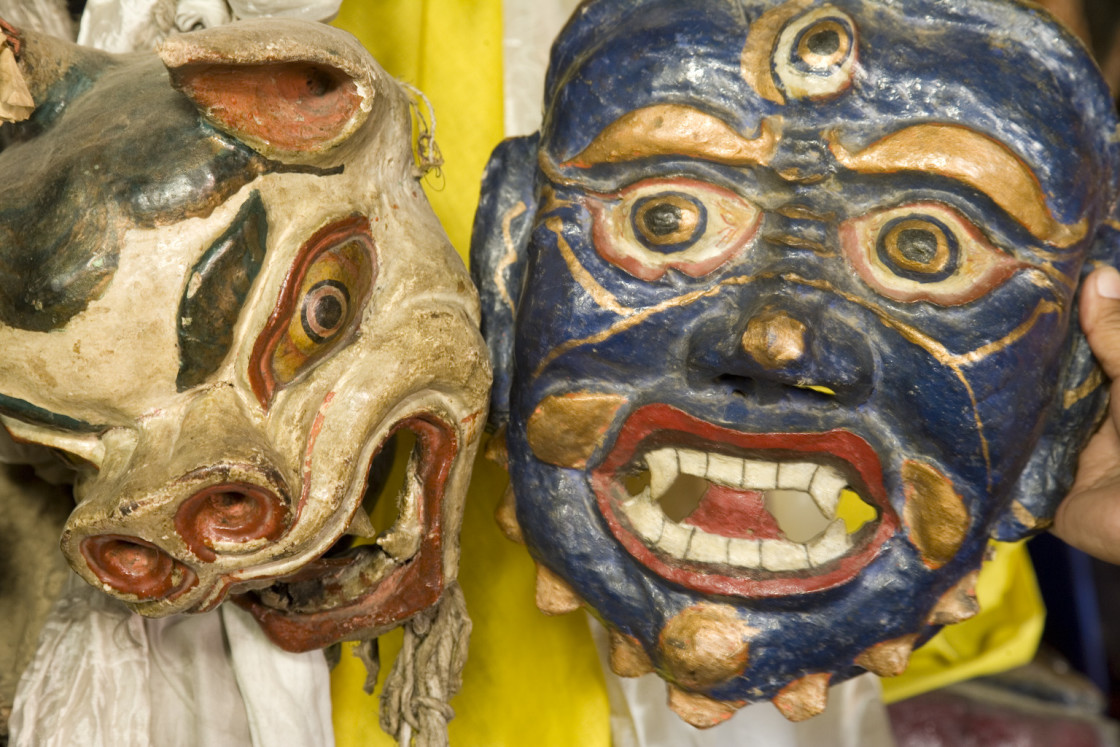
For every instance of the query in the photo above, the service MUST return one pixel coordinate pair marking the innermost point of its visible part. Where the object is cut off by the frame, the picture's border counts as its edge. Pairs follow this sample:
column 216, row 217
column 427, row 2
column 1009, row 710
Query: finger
column 1090, row 521
column 1100, row 318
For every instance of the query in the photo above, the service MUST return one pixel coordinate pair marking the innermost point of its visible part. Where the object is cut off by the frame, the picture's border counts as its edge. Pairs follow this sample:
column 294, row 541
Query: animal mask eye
column 682, row 224
column 319, row 306
column 924, row 252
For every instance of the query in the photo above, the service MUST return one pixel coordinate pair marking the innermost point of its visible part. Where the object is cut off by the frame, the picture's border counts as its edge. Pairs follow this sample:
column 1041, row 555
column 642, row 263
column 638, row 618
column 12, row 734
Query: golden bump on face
column 1027, row 519
column 554, row 595
column 566, row 429
column 958, row 603
column 705, row 645
column 803, row 698
column 888, row 658
column 506, row 516
column 628, row 658
column 700, row 710
column 936, row 517
column 774, row 339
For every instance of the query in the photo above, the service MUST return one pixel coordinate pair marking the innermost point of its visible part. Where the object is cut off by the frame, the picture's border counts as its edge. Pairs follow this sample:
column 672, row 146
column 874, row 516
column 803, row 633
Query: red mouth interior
column 333, row 603
column 733, row 536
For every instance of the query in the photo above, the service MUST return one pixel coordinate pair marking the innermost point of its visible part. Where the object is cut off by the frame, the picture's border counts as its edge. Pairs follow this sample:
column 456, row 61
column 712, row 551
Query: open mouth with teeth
column 745, row 514
column 358, row 589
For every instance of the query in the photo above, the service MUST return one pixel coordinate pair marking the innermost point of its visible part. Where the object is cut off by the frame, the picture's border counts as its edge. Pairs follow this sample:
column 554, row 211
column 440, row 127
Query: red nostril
column 132, row 566
column 230, row 518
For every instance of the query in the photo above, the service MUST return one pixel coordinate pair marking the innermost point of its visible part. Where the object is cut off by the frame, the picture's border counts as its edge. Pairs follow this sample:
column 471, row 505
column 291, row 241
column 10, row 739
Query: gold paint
column 758, row 52
column 935, row 514
column 800, row 242
column 506, row 516
column 598, row 293
column 628, row 658
column 554, row 596
column 971, row 158
column 935, row 264
column 958, row 603
column 678, row 130
column 1023, row 515
column 774, row 339
column 888, row 658
column 705, row 645
column 511, row 251
column 565, row 429
column 1087, row 387
column 803, row 698
column 805, row 212
column 496, row 450
column 982, row 352
column 1113, row 224
column 700, row 710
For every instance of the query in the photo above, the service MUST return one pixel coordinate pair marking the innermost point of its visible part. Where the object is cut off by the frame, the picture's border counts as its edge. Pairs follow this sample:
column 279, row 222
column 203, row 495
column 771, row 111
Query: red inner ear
column 290, row 106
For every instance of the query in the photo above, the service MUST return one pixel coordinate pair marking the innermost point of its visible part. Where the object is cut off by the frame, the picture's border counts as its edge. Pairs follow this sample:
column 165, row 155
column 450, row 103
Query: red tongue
column 728, row 512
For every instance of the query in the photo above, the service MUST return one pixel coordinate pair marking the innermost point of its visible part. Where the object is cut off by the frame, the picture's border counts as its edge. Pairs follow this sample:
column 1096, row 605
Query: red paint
column 734, row 513
column 407, row 590
column 297, row 107
column 230, row 512
column 133, row 566
column 661, row 425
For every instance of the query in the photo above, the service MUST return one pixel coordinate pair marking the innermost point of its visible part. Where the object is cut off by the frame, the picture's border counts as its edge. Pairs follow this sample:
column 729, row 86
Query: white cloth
column 105, row 676
column 640, row 716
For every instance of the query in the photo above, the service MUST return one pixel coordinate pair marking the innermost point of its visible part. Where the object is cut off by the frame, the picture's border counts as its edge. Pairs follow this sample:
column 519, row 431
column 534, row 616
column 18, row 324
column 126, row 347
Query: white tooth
column 796, row 475
column 826, row 487
column 663, row 470
column 780, row 555
column 693, row 462
column 645, row 516
column 743, row 553
column 674, row 539
column 707, row 548
column 725, row 470
column 832, row 543
column 360, row 525
column 758, row 475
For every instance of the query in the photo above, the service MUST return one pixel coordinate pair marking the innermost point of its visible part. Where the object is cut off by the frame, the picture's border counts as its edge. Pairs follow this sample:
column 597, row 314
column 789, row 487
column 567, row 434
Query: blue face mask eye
column 922, row 249
column 669, row 222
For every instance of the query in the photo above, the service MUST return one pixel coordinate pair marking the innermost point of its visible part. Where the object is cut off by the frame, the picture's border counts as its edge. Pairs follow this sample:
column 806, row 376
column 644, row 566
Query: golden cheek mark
column 774, row 339
column 888, row 658
column 758, row 52
column 971, row 158
column 936, row 517
column 511, row 252
column 566, row 429
column 1043, row 308
column 705, row 645
column 1083, row 390
column 598, row 293
column 803, row 698
column 677, row 130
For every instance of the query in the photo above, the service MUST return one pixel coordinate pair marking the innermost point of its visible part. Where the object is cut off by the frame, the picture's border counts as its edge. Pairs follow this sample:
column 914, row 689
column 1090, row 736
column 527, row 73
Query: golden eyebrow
column 678, row 130
column 971, row 158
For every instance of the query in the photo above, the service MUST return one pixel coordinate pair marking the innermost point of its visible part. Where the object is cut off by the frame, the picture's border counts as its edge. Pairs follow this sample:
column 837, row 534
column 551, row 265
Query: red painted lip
column 658, row 425
column 416, row 584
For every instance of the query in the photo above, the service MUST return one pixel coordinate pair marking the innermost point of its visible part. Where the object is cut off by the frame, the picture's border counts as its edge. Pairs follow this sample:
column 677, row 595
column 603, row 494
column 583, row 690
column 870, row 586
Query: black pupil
column 662, row 219
column 919, row 245
column 328, row 312
column 824, row 42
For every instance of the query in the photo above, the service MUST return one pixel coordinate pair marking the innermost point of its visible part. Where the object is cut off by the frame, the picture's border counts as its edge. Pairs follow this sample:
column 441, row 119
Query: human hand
column 1089, row 517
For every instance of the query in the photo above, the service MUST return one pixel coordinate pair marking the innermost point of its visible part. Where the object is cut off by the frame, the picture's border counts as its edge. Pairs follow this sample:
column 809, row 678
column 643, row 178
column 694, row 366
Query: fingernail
column 1108, row 283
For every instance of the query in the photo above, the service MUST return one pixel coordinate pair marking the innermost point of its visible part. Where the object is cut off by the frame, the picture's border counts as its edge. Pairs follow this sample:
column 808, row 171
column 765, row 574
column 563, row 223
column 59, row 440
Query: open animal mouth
column 358, row 588
column 747, row 514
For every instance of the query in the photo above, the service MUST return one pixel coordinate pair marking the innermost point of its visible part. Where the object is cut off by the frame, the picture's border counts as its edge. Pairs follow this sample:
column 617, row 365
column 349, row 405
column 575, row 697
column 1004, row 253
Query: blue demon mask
column 782, row 300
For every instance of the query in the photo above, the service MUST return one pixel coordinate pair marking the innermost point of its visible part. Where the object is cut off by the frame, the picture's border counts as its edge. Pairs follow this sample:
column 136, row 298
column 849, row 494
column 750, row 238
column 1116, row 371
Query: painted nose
column 230, row 518
column 774, row 339
column 134, row 567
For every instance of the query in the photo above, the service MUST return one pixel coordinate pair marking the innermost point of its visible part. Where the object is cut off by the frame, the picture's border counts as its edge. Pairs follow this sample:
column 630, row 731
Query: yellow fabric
column 1004, row 634
column 530, row 679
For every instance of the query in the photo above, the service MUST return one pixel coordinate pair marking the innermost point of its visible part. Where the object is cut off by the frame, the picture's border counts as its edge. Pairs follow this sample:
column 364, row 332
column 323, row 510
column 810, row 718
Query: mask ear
column 499, row 245
column 1074, row 416
column 290, row 90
